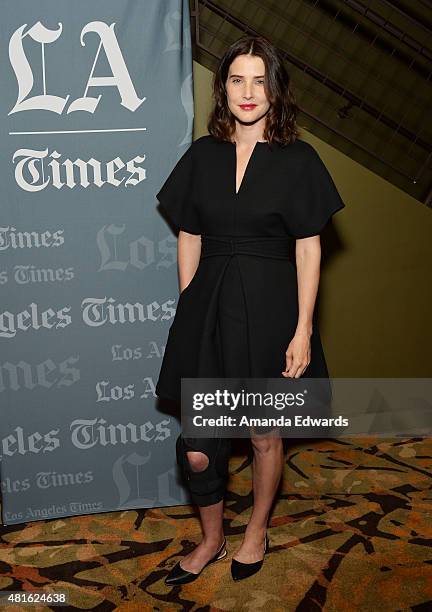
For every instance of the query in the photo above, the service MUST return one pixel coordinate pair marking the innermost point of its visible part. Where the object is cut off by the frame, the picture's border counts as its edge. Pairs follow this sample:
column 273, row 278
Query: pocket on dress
column 192, row 281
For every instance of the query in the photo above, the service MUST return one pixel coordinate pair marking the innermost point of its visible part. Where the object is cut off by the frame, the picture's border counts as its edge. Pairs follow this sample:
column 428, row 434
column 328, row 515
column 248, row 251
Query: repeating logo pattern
column 88, row 274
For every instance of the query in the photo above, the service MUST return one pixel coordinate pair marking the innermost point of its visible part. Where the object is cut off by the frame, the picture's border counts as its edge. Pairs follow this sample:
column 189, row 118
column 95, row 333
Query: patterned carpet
column 351, row 530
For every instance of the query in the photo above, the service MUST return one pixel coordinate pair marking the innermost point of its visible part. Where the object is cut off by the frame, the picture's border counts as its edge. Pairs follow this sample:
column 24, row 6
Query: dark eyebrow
column 261, row 76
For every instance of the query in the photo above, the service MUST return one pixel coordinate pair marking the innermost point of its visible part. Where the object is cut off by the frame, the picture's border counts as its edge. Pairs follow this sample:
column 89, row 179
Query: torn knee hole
column 198, row 461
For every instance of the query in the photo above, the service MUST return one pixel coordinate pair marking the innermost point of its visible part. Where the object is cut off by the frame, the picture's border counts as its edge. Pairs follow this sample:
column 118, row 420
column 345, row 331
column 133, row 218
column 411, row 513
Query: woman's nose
column 247, row 91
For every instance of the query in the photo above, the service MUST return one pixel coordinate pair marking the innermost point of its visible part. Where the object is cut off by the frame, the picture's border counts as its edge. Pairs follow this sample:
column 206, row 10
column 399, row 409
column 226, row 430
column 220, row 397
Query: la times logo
column 24, row 274
column 33, row 318
column 96, row 312
column 65, row 175
column 46, row 480
column 11, row 238
column 85, row 434
column 27, row 274
column 37, row 168
column 44, row 375
column 99, row 311
column 120, row 78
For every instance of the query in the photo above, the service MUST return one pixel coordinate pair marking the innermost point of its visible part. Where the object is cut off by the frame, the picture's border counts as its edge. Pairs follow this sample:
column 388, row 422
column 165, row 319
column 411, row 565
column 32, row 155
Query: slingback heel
column 178, row 575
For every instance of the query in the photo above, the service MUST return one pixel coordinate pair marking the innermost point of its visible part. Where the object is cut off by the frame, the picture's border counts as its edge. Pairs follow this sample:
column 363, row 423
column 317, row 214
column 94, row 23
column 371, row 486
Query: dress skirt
column 232, row 345
column 232, row 324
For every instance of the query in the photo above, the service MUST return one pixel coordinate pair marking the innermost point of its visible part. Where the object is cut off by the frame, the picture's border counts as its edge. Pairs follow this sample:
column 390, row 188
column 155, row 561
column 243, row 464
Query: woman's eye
column 261, row 81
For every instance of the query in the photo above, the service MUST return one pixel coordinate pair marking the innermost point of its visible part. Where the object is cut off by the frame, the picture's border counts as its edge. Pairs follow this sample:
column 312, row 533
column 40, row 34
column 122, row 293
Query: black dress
column 246, row 280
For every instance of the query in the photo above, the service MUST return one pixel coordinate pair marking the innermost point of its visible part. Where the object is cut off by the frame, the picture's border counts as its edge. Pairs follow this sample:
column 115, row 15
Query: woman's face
column 245, row 86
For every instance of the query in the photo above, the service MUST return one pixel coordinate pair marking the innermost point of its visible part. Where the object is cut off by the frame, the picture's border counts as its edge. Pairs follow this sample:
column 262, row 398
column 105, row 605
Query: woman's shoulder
column 205, row 148
column 304, row 157
column 205, row 141
column 301, row 149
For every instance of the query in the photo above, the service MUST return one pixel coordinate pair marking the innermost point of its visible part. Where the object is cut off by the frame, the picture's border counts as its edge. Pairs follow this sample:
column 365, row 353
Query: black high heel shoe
column 178, row 575
column 240, row 570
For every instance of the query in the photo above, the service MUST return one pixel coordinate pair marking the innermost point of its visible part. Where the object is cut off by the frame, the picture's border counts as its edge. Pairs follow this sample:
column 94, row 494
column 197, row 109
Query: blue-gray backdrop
column 97, row 107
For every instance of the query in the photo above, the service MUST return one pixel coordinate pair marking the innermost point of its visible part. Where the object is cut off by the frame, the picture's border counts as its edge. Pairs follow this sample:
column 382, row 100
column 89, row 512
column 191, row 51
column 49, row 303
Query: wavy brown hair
column 280, row 124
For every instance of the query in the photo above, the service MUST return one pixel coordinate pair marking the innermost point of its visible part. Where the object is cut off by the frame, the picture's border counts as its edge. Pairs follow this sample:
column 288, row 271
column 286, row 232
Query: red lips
column 247, row 106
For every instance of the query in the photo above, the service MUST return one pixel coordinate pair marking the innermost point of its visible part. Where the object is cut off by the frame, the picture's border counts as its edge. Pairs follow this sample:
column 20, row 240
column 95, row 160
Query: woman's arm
column 188, row 256
column 308, row 260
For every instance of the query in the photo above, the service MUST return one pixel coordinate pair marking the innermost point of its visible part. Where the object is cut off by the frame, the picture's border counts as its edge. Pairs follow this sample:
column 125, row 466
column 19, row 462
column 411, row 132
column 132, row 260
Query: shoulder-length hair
column 280, row 124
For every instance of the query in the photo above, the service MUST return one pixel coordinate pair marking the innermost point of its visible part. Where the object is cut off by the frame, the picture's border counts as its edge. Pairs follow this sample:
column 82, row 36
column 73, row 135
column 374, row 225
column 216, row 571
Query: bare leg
column 211, row 521
column 267, row 470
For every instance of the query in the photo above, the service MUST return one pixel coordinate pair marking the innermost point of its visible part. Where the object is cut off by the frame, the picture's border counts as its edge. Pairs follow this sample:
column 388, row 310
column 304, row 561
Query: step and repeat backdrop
column 97, row 107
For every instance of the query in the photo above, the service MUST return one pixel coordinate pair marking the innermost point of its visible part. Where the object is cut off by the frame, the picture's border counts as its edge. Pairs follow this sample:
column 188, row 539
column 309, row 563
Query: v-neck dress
column 247, row 270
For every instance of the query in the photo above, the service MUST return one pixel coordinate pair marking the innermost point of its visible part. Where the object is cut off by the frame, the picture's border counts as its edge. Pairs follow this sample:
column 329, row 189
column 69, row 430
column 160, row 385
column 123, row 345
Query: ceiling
column 361, row 73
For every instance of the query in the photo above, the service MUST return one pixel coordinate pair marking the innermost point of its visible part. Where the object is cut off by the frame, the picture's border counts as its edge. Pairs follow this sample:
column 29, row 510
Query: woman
column 242, row 197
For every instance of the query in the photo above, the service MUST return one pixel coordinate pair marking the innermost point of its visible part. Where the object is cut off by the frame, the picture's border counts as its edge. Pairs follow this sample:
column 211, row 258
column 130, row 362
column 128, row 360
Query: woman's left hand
column 298, row 355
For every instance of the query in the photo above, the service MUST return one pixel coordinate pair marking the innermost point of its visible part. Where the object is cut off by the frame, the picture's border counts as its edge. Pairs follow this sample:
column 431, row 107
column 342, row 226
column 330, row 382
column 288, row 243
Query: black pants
column 208, row 486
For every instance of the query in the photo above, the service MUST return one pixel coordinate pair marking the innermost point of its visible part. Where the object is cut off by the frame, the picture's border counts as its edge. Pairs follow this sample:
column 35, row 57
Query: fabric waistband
column 277, row 247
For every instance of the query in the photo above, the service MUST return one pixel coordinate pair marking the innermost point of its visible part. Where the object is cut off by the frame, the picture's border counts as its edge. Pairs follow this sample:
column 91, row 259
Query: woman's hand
column 298, row 355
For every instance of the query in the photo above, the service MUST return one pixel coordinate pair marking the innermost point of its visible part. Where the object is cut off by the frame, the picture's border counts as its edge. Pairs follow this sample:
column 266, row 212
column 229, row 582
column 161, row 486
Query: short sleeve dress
column 286, row 194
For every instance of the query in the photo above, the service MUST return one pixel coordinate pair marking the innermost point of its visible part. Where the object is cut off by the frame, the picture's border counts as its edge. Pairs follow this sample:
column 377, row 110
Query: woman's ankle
column 256, row 530
column 213, row 540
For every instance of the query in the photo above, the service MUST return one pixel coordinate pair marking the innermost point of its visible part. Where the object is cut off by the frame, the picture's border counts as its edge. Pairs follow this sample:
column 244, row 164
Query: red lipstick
column 247, row 106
